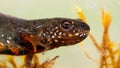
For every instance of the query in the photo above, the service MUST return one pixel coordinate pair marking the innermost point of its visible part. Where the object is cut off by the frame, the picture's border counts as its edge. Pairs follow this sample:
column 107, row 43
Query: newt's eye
column 66, row 24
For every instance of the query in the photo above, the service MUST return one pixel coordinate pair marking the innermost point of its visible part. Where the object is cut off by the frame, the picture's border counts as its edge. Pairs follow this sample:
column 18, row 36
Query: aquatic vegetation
column 109, row 51
column 35, row 63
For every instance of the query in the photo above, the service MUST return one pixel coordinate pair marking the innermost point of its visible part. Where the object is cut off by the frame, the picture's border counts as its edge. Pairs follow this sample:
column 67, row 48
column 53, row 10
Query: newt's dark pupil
column 66, row 24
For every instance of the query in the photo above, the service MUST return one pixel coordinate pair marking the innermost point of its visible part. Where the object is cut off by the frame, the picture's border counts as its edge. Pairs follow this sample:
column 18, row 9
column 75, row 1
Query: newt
column 22, row 37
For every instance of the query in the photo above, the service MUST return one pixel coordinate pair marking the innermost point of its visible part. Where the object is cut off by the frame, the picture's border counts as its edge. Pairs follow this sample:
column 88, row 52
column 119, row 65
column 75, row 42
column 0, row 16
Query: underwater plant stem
column 94, row 41
column 35, row 61
column 106, row 47
column 112, row 56
column 11, row 60
column 49, row 63
column 103, row 62
column 117, row 65
column 28, row 60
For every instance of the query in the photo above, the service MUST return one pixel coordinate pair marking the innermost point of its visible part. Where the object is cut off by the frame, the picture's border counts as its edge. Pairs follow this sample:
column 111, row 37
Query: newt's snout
column 84, row 26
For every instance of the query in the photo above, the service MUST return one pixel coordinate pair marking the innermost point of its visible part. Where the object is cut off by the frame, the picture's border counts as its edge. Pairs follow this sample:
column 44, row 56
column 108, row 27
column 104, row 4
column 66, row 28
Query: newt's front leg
column 27, row 39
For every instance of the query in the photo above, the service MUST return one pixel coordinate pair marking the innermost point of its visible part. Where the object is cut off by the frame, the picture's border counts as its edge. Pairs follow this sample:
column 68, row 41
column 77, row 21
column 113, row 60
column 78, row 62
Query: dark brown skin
column 22, row 37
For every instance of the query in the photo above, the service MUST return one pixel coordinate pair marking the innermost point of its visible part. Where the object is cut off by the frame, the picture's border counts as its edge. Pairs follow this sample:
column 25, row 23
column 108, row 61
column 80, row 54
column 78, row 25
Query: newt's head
column 51, row 33
column 57, row 32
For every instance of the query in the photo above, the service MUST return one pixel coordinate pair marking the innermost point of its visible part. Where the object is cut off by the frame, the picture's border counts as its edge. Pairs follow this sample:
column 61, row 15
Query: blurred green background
column 72, row 56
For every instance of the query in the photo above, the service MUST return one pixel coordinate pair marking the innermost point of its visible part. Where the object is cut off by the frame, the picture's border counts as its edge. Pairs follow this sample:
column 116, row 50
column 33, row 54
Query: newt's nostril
column 85, row 26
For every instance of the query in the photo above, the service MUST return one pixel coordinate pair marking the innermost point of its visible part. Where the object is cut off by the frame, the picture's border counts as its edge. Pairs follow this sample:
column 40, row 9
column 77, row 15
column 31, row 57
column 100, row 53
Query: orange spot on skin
column 14, row 51
column 2, row 46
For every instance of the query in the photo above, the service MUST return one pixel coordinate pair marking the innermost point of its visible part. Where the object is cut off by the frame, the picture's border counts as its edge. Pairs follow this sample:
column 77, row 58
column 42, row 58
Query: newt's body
column 21, row 37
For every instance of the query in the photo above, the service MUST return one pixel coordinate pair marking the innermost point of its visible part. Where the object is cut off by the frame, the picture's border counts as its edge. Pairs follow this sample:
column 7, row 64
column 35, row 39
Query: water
column 73, row 56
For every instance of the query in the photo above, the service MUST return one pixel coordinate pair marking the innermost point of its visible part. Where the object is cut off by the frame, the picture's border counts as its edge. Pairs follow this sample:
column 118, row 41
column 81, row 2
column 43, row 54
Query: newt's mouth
column 78, row 37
